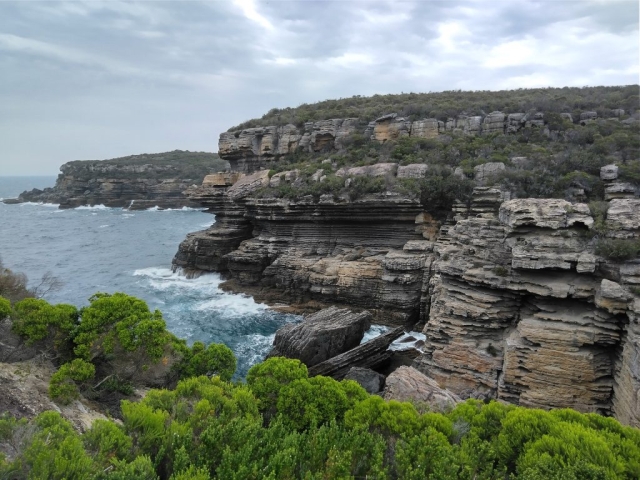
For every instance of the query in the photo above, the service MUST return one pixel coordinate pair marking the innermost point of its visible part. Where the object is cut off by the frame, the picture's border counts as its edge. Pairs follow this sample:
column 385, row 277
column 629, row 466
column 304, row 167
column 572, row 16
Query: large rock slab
column 321, row 336
column 406, row 384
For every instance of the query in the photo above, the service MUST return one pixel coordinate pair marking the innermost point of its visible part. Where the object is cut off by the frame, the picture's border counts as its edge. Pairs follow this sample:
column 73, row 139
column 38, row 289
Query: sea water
column 100, row 249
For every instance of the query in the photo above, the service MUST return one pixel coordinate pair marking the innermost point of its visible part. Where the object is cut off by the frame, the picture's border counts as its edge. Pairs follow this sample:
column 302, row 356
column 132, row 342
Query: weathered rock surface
column 406, row 384
column 522, row 309
column 138, row 182
column 321, row 335
column 251, row 149
column 370, row 380
column 25, row 394
column 367, row 355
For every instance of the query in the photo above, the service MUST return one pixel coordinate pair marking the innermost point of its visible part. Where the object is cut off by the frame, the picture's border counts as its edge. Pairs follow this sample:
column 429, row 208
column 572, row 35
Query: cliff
column 135, row 182
column 533, row 301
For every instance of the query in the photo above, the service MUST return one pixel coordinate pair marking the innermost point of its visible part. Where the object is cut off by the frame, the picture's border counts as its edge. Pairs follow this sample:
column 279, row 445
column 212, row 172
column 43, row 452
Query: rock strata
column 137, row 183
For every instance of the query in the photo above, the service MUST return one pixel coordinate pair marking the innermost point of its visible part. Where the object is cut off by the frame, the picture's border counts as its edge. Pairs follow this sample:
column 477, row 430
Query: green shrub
column 216, row 359
column 267, row 379
column 36, row 319
column 5, row 308
column 618, row 248
column 62, row 386
column 120, row 320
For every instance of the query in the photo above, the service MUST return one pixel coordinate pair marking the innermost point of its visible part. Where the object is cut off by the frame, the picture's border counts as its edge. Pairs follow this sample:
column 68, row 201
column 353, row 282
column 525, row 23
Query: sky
column 102, row 79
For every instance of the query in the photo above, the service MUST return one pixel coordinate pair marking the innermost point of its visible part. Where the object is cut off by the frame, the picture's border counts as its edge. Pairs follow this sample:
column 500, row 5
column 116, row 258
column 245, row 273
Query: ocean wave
column 253, row 348
column 373, row 332
column 40, row 204
column 408, row 341
column 183, row 209
column 92, row 207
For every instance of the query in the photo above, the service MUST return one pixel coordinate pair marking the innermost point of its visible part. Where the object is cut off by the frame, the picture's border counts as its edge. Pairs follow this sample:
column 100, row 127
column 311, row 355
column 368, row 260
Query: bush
column 5, row 308
column 62, row 386
column 216, row 359
column 36, row 320
column 618, row 248
column 267, row 379
column 120, row 320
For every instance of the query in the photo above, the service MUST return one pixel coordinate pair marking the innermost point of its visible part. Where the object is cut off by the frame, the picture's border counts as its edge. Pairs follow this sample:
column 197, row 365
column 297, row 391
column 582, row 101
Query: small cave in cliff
column 324, row 142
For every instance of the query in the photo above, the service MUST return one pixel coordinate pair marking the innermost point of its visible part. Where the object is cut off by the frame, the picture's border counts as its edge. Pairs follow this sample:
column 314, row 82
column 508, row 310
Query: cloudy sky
column 101, row 79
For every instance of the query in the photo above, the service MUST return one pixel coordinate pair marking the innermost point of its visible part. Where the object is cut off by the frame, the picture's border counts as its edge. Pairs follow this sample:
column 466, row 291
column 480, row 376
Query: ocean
column 99, row 249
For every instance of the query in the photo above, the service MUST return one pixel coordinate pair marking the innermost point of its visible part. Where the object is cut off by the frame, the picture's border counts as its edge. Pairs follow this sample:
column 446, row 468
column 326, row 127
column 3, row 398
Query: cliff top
column 442, row 105
column 183, row 157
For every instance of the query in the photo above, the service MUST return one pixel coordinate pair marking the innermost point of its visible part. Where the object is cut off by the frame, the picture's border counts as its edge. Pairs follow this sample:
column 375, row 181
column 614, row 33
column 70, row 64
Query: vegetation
column 281, row 424
column 178, row 163
column 13, row 285
column 320, row 429
column 442, row 105
column 562, row 163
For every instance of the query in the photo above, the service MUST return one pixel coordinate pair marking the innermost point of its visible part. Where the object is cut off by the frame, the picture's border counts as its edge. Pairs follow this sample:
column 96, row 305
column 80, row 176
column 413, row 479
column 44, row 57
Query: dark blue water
column 98, row 249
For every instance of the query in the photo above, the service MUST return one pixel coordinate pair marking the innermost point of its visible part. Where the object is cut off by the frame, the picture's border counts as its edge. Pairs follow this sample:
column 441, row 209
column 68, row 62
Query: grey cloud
column 99, row 79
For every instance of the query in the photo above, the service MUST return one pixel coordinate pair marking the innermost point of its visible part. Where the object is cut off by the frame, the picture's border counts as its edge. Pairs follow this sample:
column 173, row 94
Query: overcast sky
column 101, row 79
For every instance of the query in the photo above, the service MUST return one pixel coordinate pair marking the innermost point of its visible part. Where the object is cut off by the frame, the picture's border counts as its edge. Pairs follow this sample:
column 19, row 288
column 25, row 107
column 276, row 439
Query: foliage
column 13, row 286
column 216, row 359
column 5, row 308
column 36, row 320
column 618, row 248
column 267, row 379
column 209, row 428
column 175, row 164
column 62, row 386
column 442, row 105
column 119, row 320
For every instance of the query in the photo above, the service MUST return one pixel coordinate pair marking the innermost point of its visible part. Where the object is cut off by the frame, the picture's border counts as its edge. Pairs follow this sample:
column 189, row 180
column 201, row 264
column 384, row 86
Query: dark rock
column 371, row 381
column 321, row 336
column 368, row 355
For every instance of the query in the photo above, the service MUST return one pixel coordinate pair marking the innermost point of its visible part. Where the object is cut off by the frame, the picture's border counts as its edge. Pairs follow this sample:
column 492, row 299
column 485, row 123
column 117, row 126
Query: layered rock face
column 522, row 309
column 253, row 148
column 307, row 252
column 515, row 301
column 135, row 185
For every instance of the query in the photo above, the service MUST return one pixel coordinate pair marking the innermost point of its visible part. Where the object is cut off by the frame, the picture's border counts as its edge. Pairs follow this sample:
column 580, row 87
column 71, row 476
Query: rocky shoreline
column 138, row 182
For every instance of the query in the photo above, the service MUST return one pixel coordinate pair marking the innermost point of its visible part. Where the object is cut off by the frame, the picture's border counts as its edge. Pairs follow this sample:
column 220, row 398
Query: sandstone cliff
column 136, row 182
column 515, row 301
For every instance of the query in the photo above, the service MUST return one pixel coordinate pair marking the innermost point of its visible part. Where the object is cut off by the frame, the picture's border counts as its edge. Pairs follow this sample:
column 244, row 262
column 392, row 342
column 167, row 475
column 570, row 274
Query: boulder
column 406, row 384
column 488, row 170
column 371, row 381
column 609, row 172
column 321, row 335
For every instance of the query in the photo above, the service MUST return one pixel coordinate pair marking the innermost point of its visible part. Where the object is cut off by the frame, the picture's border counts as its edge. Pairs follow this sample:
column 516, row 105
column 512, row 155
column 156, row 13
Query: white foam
column 403, row 343
column 128, row 215
column 373, row 332
column 92, row 207
column 206, row 286
column 105, row 226
column 254, row 347
column 41, row 204
column 183, row 209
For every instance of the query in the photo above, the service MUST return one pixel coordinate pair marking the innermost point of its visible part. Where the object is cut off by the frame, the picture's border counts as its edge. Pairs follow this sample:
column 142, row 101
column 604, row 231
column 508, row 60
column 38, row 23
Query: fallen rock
column 371, row 381
column 407, row 384
column 321, row 336
column 368, row 355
